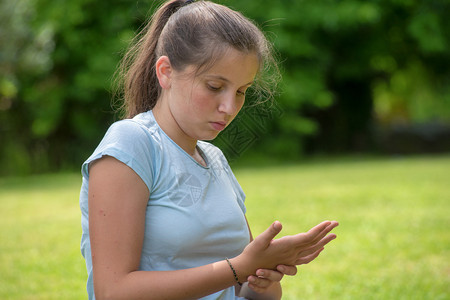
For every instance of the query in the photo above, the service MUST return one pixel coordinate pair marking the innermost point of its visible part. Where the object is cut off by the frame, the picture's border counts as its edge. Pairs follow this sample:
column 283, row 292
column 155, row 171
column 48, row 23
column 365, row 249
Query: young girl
column 163, row 216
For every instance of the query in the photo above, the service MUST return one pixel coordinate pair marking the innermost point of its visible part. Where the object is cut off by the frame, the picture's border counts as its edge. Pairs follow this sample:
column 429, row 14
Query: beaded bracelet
column 234, row 272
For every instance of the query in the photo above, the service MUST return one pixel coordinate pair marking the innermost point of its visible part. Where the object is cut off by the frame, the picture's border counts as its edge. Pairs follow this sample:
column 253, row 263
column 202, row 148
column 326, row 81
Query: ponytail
column 140, row 87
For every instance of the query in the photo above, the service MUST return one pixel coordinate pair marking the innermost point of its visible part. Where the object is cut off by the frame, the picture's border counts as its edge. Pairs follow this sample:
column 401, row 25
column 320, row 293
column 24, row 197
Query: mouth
column 219, row 126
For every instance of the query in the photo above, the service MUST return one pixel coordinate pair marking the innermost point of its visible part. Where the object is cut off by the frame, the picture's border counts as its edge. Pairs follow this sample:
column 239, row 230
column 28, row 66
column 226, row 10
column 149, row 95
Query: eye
column 214, row 88
column 240, row 93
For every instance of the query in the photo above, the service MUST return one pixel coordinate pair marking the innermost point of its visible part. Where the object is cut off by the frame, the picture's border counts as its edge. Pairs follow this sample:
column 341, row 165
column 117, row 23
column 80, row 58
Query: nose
column 230, row 104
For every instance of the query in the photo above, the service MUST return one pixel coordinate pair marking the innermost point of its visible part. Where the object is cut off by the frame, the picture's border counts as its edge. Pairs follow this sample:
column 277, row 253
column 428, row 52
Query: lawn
column 393, row 239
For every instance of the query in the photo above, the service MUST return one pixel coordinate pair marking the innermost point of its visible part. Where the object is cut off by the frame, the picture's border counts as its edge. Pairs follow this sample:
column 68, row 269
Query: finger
column 318, row 228
column 287, row 270
column 269, row 274
column 325, row 240
column 257, row 289
column 315, row 247
column 258, row 282
column 316, row 233
column 309, row 258
column 330, row 227
column 269, row 234
column 311, row 234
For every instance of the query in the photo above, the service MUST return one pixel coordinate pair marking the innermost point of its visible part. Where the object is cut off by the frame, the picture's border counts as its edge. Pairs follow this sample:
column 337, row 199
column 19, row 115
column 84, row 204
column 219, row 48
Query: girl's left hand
column 264, row 278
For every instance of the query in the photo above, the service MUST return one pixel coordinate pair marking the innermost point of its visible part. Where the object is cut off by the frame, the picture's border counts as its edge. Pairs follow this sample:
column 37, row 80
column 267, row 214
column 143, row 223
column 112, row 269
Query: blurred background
column 356, row 135
column 358, row 77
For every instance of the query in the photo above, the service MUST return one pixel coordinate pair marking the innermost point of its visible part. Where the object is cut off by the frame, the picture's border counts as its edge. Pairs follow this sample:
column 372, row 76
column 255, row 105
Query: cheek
column 240, row 105
column 202, row 101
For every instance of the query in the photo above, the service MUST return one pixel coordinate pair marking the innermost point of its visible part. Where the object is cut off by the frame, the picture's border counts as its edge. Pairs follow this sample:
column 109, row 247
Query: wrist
column 236, row 278
column 242, row 268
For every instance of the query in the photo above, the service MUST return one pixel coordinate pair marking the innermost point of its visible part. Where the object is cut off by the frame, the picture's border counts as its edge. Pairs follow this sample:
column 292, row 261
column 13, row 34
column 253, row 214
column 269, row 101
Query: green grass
column 393, row 239
column 40, row 235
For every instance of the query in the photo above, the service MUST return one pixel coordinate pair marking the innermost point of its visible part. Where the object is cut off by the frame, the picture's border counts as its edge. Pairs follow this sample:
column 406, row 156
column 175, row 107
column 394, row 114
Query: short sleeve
column 238, row 189
column 130, row 143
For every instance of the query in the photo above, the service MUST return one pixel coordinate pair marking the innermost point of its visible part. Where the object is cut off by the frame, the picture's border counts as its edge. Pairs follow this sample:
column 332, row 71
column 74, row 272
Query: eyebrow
column 226, row 80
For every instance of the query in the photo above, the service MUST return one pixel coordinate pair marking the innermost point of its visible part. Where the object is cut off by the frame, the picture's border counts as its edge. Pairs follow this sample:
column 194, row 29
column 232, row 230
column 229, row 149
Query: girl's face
column 198, row 107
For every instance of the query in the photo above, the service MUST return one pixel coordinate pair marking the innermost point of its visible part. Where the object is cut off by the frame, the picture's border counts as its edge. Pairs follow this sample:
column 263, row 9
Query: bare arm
column 117, row 204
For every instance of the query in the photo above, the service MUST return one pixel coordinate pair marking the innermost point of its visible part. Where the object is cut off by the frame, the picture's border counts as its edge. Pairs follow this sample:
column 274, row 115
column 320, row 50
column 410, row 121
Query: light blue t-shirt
column 195, row 215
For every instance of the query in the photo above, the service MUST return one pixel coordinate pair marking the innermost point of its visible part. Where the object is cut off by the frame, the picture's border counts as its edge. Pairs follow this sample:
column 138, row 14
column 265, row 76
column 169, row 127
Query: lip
column 219, row 126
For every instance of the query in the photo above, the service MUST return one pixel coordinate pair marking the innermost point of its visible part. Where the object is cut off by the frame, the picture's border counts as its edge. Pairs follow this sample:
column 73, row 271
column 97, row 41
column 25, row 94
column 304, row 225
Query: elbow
column 107, row 295
column 114, row 286
column 107, row 291
column 103, row 294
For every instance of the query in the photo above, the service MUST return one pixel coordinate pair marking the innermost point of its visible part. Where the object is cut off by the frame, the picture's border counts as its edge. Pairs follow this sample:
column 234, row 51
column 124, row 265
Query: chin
column 209, row 137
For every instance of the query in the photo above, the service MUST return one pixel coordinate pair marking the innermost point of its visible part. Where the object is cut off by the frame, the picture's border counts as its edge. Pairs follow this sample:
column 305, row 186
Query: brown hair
column 190, row 33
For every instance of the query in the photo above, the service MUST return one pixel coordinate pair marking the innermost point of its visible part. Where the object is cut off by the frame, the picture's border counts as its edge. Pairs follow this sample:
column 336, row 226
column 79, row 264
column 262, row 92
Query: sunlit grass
column 40, row 234
column 393, row 239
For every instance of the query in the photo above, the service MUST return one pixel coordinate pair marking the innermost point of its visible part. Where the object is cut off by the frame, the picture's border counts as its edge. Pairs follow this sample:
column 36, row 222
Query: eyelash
column 213, row 88
column 217, row 89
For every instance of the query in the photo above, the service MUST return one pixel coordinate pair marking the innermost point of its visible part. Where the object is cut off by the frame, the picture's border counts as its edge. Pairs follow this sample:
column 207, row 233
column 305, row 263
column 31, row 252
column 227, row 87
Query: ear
column 164, row 72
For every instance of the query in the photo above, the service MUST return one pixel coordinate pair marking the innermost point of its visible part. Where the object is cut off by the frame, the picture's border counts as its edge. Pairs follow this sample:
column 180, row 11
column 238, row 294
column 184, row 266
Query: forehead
column 233, row 66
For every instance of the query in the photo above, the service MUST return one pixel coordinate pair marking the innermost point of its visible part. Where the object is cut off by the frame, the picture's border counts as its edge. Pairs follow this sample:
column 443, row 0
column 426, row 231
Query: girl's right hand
column 266, row 253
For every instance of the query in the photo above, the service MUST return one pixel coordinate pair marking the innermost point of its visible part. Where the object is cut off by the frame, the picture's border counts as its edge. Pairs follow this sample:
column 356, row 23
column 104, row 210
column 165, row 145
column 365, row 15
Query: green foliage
column 347, row 66
column 393, row 240
column 55, row 99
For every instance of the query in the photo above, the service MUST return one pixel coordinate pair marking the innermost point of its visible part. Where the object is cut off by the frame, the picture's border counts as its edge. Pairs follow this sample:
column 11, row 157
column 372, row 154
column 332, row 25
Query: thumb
column 269, row 234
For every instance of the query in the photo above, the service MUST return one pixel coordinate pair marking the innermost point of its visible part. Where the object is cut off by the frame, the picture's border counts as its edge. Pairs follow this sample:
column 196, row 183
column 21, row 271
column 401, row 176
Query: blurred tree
column 347, row 67
column 56, row 70
column 23, row 50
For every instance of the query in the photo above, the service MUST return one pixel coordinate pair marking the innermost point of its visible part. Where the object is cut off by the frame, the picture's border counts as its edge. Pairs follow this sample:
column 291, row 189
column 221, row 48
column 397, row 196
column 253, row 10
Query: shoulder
column 130, row 138
column 137, row 125
column 132, row 142
column 139, row 130
column 124, row 129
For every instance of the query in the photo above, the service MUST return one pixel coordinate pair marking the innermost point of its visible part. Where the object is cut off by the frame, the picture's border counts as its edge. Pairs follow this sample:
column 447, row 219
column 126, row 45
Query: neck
column 170, row 127
column 189, row 145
